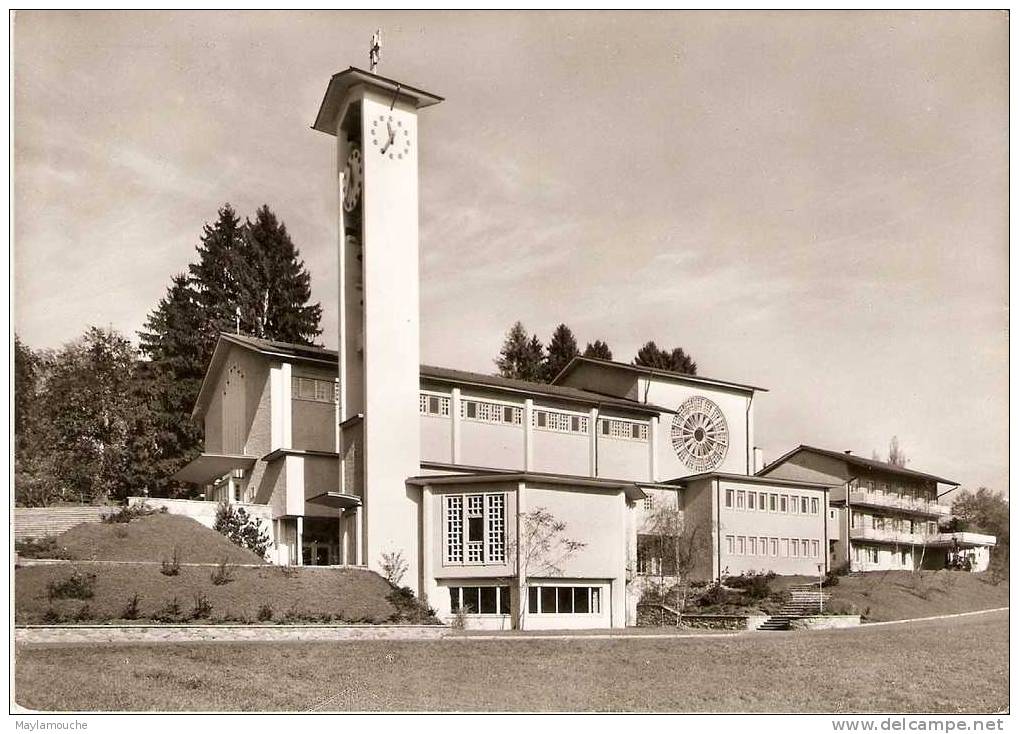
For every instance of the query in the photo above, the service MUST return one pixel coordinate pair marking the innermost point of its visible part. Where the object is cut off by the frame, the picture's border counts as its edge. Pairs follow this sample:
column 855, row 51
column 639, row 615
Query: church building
column 519, row 505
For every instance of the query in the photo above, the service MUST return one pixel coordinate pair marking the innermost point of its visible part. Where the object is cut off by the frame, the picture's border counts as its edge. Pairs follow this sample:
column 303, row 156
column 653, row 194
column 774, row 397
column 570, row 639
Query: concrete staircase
column 805, row 600
column 38, row 522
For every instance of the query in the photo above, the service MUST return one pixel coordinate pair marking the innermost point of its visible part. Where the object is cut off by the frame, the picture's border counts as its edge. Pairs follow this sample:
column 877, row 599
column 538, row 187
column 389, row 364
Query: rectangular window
column 773, row 502
column 741, row 500
column 753, row 546
column 556, row 420
column 741, row 545
column 795, row 548
column 313, row 389
column 728, row 498
column 480, row 599
column 730, row 544
column 751, row 500
column 774, row 547
column 783, row 503
column 649, row 503
column 477, row 410
column 628, row 430
column 434, row 405
column 785, row 547
column 803, row 505
column 475, row 528
column 805, row 547
column 564, row 600
column 794, row 505
column 763, row 546
column 815, row 548
column 814, row 506
column 762, row 501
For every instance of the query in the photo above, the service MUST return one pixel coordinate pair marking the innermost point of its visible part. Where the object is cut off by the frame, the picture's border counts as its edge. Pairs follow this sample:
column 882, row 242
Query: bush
column 715, row 595
column 77, row 586
column 131, row 611
column 127, row 513
column 264, row 613
column 84, row 613
column 755, row 585
column 39, row 548
column 409, row 610
column 202, row 607
column 52, row 616
column 394, row 567
column 171, row 567
column 223, row 574
column 170, row 612
column 241, row 528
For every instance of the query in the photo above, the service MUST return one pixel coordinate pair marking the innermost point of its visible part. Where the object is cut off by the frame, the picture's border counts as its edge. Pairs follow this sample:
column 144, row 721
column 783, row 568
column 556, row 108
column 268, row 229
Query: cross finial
column 375, row 51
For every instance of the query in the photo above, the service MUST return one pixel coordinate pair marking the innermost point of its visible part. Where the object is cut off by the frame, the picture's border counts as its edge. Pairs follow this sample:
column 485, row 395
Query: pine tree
column 650, row 355
column 169, row 384
column 274, row 287
column 216, row 277
column 562, row 348
column 598, row 350
column 896, row 455
column 521, row 356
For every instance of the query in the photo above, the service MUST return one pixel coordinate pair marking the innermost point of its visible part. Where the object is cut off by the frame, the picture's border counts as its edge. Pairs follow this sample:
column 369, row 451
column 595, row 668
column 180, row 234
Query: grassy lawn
column 887, row 595
column 957, row 665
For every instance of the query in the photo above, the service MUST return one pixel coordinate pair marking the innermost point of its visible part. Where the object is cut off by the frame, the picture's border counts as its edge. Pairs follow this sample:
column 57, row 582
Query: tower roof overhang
column 343, row 81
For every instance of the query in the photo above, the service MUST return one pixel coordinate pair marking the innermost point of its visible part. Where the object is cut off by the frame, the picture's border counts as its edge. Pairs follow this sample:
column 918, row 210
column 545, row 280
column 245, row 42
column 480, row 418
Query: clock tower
column 374, row 120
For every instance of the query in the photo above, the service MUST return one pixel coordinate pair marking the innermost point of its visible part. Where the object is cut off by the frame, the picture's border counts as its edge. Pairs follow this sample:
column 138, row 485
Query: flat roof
column 750, row 479
column 859, row 461
column 499, row 476
column 653, row 371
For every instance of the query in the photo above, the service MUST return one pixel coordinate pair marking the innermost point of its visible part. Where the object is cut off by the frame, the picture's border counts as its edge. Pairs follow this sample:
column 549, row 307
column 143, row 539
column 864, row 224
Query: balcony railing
column 898, row 502
column 900, row 537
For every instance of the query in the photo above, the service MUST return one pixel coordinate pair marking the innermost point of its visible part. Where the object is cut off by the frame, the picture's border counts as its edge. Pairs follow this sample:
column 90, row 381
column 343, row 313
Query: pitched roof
column 748, row 479
column 858, row 461
column 652, row 371
column 328, row 357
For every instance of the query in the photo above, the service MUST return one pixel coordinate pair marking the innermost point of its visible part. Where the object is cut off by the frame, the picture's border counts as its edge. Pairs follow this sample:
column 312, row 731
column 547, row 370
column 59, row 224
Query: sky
column 812, row 202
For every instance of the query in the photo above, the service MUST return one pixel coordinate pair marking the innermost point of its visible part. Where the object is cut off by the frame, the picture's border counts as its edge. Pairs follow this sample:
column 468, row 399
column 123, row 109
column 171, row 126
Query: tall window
column 475, row 526
column 803, row 505
column 814, row 505
column 753, row 546
column 773, row 502
column 741, row 545
column 728, row 497
column 774, row 546
column 730, row 544
column 815, row 548
column 783, row 503
column 751, row 500
column 741, row 499
column 762, row 500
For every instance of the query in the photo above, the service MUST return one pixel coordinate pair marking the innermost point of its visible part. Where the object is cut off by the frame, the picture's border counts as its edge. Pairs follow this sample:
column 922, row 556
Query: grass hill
column 149, row 538
column 121, row 571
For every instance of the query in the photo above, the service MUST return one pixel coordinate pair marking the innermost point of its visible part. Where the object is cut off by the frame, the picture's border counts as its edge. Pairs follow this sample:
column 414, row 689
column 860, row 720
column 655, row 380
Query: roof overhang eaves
column 751, row 479
column 667, row 374
column 339, row 83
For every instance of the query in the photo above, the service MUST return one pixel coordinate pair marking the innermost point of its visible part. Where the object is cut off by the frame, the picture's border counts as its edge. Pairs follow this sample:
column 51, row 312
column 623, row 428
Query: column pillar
column 528, row 435
column 653, row 449
column 300, row 540
column 593, row 451
column 359, row 536
column 521, row 620
column 286, row 406
column 454, row 414
column 427, row 536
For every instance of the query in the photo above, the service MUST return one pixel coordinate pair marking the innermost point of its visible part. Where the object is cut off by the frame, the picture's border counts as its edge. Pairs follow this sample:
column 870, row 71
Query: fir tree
column 598, row 350
column 521, row 356
column 650, row 355
column 274, row 287
column 216, row 277
column 562, row 348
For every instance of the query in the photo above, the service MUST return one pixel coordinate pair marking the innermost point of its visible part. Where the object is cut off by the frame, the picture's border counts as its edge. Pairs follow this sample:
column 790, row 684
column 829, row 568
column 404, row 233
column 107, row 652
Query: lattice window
column 454, row 529
column 434, row 405
column 628, row 430
column 315, row 390
column 476, row 410
column 475, row 516
column 495, row 513
column 554, row 420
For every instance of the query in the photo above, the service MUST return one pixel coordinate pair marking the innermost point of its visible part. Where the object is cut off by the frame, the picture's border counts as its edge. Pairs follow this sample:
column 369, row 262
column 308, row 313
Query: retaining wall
column 100, row 633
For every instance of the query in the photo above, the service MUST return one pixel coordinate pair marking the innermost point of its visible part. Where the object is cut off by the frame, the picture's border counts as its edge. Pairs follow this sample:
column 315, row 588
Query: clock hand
column 392, row 137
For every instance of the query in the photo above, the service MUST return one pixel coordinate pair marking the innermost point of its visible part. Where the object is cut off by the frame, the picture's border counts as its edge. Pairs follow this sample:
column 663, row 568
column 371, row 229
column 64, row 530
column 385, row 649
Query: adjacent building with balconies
column 888, row 516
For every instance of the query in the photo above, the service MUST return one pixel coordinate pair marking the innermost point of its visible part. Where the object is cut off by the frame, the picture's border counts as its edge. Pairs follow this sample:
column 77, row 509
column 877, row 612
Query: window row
column 319, row 391
column 564, row 600
column 879, row 487
column 771, row 502
column 741, row 545
column 475, row 528
column 630, row 430
column 897, row 524
column 479, row 599
column 555, row 420
column 476, row 410
column 434, row 405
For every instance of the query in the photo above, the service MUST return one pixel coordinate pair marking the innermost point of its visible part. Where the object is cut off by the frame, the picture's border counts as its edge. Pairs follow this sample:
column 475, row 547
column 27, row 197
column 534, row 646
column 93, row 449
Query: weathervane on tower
column 375, row 50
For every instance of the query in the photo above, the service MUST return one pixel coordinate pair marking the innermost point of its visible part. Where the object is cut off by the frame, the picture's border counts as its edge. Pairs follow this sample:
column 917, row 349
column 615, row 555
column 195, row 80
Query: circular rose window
column 700, row 435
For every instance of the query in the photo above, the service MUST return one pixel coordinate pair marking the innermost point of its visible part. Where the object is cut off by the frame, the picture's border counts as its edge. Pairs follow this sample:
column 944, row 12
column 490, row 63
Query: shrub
column 715, row 595
column 127, row 513
column 408, row 608
column 241, row 528
column 202, row 607
column 460, row 617
column 264, row 613
column 39, row 548
column 52, row 616
column 223, row 574
column 84, row 613
column 170, row 612
column 171, row 567
column 394, row 567
column 77, row 586
column 755, row 585
column 131, row 610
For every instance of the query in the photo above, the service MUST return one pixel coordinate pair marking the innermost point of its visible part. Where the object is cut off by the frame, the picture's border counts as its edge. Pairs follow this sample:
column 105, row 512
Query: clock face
column 700, row 435
column 388, row 134
column 353, row 177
